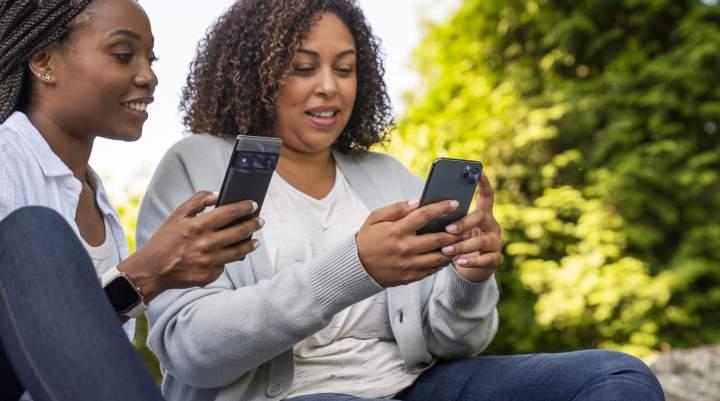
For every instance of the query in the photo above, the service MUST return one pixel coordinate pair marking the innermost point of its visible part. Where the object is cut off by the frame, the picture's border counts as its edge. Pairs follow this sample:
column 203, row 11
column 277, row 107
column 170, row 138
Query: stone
column 691, row 374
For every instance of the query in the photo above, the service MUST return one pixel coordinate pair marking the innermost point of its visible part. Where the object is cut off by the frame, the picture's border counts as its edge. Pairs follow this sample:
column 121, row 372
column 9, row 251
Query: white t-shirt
column 104, row 256
column 356, row 353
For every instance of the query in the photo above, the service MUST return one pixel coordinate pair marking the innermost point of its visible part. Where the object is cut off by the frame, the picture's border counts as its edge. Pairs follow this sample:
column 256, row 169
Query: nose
column 327, row 83
column 146, row 78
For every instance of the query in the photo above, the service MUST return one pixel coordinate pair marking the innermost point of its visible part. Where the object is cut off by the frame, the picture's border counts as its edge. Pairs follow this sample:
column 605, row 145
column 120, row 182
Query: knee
column 619, row 364
column 31, row 223
column 614, row 362
column 34, row 234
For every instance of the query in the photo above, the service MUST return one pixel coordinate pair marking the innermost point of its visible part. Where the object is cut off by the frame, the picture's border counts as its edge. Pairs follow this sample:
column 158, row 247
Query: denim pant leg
column 10, row 387
column 330, row 397
column 61, row 336
column 593, row 375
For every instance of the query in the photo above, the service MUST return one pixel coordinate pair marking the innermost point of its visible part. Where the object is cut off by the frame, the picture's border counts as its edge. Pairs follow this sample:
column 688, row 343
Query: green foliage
column 598, row 123
column 128, row 212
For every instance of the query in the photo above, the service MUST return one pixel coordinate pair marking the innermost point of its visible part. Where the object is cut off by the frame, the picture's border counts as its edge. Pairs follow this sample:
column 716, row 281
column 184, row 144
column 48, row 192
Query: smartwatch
column 123, row 294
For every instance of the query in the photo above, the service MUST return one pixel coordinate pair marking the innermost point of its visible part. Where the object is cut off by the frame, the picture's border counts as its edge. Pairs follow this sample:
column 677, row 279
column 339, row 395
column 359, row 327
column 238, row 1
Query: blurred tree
column 597, row 120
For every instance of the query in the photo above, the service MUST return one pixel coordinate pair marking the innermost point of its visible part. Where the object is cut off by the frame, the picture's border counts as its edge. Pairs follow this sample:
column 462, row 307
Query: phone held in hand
column 249, row 171
column 450, row 179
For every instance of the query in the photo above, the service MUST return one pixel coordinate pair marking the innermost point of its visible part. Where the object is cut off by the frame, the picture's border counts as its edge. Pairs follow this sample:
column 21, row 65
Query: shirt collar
column 100, row 195
column 50, row 163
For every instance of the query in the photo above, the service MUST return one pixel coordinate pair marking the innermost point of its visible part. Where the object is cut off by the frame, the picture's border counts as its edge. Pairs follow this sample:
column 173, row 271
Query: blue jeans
column 60, row 337
column 594, row 375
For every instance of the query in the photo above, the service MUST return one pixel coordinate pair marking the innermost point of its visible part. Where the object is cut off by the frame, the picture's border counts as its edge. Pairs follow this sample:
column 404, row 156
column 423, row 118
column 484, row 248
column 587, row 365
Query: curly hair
column 26, row 27
column 244, row 57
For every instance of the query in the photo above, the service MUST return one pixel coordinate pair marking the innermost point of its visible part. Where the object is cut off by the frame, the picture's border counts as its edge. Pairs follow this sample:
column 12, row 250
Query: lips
column 138, row 105
column 323, row 116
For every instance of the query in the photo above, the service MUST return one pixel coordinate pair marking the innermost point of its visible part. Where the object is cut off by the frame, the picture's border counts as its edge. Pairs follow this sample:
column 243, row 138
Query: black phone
column 249, row 171
column 450, row 179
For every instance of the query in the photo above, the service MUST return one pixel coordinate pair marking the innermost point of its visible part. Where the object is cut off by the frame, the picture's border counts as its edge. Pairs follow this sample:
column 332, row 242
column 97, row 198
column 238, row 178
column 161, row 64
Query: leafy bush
column 597, row 120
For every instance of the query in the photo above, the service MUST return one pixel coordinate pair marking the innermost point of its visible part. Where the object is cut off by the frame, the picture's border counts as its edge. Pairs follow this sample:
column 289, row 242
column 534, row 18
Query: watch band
column 136, row 306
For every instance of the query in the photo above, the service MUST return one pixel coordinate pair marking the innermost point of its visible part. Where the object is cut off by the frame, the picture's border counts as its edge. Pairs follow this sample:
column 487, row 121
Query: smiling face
column 316, row 100
column 103, row 80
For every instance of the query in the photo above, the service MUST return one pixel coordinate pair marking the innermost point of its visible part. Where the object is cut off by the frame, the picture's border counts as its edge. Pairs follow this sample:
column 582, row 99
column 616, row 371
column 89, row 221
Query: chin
column 125, row 136
column 320, row 143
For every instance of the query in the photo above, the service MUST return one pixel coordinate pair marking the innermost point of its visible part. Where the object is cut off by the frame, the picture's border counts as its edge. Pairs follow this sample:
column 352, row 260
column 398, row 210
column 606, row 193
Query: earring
column 46, row 76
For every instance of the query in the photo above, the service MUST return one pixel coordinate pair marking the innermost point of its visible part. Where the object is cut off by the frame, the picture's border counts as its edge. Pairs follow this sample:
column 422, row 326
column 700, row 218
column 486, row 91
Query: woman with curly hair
column 344, row 300
column 72, row 71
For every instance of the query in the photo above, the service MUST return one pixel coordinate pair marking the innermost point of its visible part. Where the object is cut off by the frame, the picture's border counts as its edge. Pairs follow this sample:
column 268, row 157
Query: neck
column 305, row 164
column 311, row 173
column 73, row 150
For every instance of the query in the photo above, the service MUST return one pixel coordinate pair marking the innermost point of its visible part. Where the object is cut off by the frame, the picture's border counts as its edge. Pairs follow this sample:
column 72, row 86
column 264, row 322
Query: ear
column 41, row 65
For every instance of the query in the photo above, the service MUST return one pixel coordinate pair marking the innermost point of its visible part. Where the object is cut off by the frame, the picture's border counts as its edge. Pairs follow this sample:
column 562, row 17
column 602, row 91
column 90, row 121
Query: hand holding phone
column 478, row 253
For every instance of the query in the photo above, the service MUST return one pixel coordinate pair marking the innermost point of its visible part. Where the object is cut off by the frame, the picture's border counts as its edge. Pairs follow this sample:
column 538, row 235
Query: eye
column 123, row 58
column 344, row 71
column 303, row 69
column 153, row 59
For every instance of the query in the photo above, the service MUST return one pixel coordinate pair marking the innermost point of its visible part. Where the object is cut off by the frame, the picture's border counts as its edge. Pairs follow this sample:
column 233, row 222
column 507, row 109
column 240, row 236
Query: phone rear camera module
column 467, row 177
column 475, row 171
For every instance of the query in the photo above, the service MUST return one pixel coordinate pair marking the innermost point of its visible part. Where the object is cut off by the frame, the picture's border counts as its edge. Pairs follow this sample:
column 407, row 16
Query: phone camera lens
column 475, row 170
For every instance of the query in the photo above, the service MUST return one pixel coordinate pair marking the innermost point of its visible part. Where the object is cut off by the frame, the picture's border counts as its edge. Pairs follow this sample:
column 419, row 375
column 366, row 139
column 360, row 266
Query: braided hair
column 28, row 26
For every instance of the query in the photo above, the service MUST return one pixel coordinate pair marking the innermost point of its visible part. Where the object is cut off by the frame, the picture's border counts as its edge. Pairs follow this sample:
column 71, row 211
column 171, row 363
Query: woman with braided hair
column 71, row 71
column 344, row 301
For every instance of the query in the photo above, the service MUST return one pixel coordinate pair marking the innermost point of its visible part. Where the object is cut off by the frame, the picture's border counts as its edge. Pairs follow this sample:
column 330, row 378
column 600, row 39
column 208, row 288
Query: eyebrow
column 316, row 54
column 130, row 34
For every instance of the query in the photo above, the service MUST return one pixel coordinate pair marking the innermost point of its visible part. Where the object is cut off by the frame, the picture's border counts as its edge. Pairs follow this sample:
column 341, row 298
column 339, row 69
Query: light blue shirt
column 31, row 174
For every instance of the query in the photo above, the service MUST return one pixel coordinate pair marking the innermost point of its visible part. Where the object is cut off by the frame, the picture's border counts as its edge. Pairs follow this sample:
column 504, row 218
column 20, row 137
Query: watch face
column 122, row 294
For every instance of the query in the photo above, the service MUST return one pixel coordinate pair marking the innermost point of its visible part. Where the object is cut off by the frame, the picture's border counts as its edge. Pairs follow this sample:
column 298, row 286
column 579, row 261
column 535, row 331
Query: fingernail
column 215, row 193
column 256, row 244
column 461, row 262
column 451, row 228
column 261, row 222
column 448, row 249
column 454, row 203
column 255, row 206
column 414, row 202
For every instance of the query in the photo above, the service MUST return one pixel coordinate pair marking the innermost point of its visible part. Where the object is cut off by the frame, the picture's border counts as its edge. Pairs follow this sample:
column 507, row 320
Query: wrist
column 474, row 275
column 142, row 277
column 124, row 296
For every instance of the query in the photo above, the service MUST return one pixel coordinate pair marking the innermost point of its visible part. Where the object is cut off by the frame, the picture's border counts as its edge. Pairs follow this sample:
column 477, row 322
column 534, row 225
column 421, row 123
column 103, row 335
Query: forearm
column 144, row 276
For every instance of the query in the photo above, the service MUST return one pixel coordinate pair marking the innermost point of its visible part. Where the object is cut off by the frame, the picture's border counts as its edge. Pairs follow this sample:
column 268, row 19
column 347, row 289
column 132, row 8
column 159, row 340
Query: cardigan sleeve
column 461, row 316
